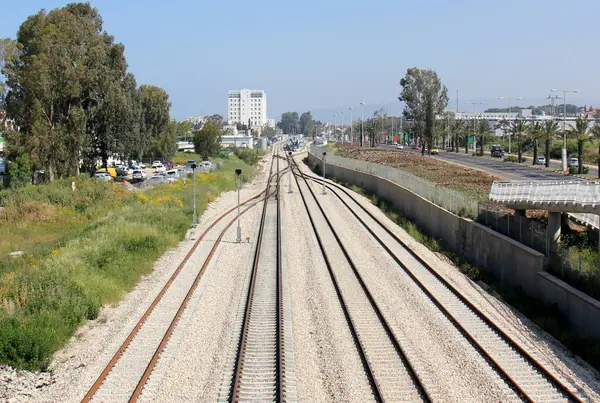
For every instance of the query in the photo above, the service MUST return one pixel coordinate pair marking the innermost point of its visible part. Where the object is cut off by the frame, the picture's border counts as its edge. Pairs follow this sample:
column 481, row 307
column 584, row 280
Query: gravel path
column 541, row 345
column 75, row 367
column 328, row 368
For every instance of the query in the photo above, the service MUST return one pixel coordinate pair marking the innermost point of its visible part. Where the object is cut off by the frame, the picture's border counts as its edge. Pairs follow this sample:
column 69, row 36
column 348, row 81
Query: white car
column 540, row 161
column 104, row 176
column 156, row 163
column 207, row 165
column 573, row 162
column 400, row 147
column 159, row 168
column 139, row 174
column 172, row 174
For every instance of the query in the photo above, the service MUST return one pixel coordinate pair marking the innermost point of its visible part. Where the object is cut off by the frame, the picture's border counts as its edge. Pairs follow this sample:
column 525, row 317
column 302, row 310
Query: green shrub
column 110, row 238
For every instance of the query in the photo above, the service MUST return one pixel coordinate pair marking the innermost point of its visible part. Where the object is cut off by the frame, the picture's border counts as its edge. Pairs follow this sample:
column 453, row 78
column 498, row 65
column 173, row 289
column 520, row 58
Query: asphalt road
column 498, row 167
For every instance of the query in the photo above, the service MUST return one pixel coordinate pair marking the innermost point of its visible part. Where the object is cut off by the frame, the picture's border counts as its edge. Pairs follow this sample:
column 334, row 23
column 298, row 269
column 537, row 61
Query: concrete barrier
column 506, row 260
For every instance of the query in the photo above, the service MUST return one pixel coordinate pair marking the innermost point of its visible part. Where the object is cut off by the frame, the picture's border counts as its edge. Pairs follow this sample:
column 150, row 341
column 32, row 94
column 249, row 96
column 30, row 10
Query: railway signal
column 291, row 174
column 238, row 182
column 324, row 162
column 195, row 216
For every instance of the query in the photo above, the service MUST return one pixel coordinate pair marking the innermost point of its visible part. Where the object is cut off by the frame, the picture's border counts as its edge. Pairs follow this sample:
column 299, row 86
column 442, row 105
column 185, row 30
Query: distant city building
column 247, row 106
column 196, row 122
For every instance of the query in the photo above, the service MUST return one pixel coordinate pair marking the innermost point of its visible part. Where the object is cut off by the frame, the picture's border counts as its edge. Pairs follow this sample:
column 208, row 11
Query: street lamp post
column 351, row 124
column 334, row 125
column 342, row 123
column 564, row 149
column 362, row 120
column 509, row 114
column 474, row 130
column 324, row 162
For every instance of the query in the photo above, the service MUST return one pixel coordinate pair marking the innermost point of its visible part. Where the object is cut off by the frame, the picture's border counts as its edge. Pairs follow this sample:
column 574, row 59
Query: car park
column 540, row 161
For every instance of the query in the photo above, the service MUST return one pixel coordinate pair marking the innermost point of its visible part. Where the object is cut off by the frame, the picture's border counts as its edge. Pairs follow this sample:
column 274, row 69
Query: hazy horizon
column 324, row 57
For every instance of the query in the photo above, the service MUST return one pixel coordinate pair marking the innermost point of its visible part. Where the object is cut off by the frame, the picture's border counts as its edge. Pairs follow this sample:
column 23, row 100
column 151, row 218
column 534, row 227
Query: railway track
column 387, row 366
column 126, row 374
column 261, row 367
column 520, row 370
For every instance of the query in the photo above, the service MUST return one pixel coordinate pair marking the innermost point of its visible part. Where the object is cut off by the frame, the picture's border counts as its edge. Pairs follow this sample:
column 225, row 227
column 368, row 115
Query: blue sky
column 329, row 55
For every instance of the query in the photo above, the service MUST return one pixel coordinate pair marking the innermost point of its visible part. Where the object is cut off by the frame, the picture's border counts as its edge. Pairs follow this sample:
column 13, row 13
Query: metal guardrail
column 566, row 196
column 560, row 194
column 448, row 199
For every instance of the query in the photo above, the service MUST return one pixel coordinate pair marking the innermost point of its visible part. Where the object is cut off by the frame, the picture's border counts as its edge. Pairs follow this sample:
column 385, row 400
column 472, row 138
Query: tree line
column 73, row 100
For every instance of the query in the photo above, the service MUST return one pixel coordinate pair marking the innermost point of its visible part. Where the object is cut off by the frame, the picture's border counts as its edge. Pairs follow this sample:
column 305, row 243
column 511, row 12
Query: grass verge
column 83, row 249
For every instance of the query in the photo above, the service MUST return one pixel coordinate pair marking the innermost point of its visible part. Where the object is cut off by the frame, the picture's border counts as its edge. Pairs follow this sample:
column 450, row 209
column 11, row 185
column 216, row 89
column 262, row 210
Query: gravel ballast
column 540, row 344
column 75, row 367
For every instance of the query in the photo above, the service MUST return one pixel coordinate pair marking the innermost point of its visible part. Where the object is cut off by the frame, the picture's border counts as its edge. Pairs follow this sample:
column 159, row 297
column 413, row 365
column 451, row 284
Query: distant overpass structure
column 580, row 200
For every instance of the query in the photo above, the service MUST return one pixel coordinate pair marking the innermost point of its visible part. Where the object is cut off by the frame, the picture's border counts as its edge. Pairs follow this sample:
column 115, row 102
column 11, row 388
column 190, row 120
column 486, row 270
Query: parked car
column 139, row 174
column 111, row 171
column 207, row 164
column 172, row 175
column 157, row 180
column 122, row 170
column 400, row 147
column 103, row 175
column 168, row 164
column 573, row 162
column 156, row 163
column 188, row 165
column 159, row 168
column 540, row 161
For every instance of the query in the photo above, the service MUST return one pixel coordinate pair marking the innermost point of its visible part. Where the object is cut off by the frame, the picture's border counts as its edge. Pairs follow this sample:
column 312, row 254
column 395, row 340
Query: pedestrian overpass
column 580, row 200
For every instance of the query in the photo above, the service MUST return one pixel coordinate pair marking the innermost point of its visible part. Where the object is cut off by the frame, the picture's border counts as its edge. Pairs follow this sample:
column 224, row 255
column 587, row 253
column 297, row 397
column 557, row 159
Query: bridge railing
column 561, row 194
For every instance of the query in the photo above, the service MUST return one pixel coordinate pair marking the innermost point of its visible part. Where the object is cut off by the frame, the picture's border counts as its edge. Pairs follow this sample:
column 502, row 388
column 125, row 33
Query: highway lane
column 496, row 167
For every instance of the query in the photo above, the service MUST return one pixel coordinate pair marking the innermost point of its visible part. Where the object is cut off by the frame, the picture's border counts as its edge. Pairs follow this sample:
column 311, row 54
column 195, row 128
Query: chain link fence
column 448, row 199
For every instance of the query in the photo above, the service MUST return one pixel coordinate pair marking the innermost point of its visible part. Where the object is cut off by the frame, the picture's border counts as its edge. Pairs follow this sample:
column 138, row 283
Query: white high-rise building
column 247, row 104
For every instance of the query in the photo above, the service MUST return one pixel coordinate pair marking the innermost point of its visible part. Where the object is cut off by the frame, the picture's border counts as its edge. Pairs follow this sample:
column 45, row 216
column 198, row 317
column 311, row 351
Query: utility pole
column 564, row 149
column 351, row 124
column 362, row 120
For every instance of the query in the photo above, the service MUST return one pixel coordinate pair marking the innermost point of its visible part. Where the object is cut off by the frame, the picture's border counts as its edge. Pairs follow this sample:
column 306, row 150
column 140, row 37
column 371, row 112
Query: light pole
column 362, row 119
column 474, row 130
column 238, row 182
column 194, row 216
column 342, row 123
column 509, row 115
column 564, row 149
column 334, row 125
column 351, row 124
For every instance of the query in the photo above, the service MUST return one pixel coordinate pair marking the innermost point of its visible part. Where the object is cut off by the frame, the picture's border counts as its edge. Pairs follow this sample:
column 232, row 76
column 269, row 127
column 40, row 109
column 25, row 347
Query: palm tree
column 457, row 129
column 549, row 132
column 483, row 128
column 518, row 128
column 580, row 133
column 534, row 133
column 595, row 132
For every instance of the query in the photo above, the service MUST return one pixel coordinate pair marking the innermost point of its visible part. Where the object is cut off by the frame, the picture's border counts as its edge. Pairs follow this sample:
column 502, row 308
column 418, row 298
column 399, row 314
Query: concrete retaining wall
column 507, row 260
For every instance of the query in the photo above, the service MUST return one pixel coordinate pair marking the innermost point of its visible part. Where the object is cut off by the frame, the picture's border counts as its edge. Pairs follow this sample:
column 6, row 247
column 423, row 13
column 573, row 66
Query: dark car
column 496, row 151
